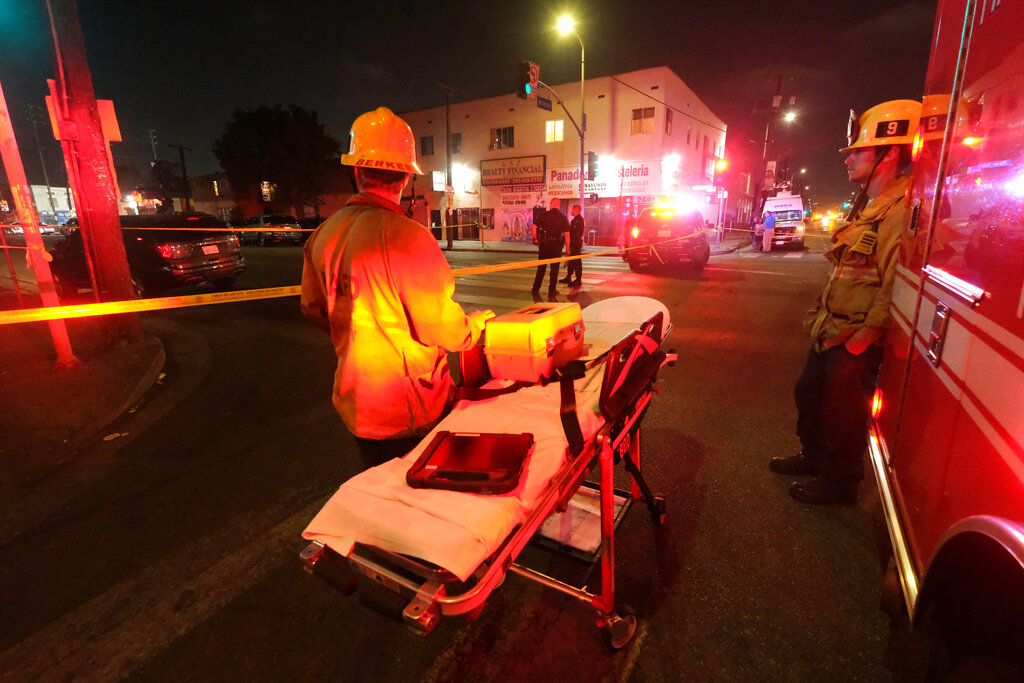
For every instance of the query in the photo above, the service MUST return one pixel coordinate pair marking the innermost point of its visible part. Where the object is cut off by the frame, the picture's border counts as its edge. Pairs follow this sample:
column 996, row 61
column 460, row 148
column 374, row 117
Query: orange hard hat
column 382, row 140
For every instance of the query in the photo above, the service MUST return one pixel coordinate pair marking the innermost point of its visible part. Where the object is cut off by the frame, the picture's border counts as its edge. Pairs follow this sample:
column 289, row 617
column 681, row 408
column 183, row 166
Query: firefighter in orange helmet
column 848, row 322
column 378, row 282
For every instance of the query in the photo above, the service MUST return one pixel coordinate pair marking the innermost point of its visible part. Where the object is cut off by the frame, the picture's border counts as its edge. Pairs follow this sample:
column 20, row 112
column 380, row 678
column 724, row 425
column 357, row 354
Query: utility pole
column 184, row 176
column 34, row 114
column 769, row 140
column 448, row 91
column 89, row 168
column 152, row 141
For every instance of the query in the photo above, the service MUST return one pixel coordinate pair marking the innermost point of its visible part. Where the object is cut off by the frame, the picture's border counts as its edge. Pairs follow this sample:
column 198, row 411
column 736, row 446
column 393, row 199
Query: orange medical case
column 529, row 343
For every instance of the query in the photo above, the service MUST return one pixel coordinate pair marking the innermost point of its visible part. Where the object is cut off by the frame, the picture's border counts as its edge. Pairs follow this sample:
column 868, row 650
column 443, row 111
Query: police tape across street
column 89, row 309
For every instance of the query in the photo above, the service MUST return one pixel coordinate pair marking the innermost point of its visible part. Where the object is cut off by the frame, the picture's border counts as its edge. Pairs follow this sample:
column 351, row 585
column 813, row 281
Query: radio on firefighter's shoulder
column 865, row 244
column 529, row 343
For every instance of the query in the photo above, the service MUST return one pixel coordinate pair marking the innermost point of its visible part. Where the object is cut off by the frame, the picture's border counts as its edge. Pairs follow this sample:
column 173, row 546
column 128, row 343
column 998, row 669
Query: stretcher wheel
column 621, row 626
column 657, row 509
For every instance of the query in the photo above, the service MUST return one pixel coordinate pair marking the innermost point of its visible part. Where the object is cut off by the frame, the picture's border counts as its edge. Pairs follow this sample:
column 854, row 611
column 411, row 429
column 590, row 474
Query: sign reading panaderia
column 514, row 171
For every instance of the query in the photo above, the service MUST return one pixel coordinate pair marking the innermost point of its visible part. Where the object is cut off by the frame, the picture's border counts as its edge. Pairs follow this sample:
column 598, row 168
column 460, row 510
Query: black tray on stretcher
column 471, row 462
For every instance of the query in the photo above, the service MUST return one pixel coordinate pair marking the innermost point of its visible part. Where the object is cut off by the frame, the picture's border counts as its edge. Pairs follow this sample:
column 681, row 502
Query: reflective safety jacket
column 380, row 285
column 859, row 286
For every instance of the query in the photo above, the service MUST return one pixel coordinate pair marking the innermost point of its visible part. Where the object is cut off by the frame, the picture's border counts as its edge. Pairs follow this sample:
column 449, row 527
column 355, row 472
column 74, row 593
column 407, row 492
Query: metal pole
column 42, row 163
column 583, row 126
column 448, row 90
column 184, row 176
column 30, row 228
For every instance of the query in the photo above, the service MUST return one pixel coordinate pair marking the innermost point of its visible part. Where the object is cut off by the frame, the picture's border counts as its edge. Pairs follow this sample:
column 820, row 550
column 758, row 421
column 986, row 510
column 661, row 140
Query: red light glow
column 876, row 404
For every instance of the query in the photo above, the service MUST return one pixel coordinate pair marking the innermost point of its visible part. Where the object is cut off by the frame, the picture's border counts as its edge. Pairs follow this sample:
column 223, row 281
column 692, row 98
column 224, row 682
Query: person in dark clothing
column 575, row 267
column 550, row 232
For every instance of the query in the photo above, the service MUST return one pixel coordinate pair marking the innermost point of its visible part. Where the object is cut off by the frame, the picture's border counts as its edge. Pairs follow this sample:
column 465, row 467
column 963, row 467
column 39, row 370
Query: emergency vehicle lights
column 876, row 404
column 1015, row 186
column 635, row 232
column 918, row 144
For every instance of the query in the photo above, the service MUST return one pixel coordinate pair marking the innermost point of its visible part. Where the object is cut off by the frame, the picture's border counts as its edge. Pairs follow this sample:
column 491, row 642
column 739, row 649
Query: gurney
column 424, row 553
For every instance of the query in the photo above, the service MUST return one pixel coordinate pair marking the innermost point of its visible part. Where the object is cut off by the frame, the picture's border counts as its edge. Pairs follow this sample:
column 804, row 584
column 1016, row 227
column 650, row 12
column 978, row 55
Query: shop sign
column 513, row 171
column 524, row 196
column 625, row 179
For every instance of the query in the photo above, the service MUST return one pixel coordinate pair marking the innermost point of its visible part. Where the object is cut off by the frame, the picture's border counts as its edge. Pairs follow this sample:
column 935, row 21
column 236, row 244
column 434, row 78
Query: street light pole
column 566, row 25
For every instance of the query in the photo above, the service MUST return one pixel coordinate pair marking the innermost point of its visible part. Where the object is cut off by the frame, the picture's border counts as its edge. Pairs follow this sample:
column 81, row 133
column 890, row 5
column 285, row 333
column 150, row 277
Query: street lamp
column 789, row 116
column 567, row 25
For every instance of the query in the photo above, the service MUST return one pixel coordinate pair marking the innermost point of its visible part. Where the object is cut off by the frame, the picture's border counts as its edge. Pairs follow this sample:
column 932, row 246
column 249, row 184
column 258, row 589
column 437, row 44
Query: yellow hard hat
column 384, row 141
column 889, row 123
column 935, row 109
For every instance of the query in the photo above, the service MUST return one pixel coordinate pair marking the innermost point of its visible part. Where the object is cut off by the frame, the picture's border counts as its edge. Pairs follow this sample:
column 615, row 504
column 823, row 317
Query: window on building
column 689, row 132
column 643, row 121
column 502, row 138
column 668, row 122
column 426, row 145
column 553, row 131
column 216, row 190
column 456, row 143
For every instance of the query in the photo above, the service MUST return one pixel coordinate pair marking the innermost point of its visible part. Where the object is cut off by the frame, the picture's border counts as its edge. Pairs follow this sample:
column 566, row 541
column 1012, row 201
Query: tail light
column 232, row 240
column 172, row 251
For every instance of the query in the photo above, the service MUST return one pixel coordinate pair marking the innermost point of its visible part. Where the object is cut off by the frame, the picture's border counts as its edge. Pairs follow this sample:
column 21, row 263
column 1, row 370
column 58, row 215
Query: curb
column 144, row 384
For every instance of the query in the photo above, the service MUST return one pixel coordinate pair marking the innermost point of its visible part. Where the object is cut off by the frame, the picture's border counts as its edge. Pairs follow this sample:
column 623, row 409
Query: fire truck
column 947, row 433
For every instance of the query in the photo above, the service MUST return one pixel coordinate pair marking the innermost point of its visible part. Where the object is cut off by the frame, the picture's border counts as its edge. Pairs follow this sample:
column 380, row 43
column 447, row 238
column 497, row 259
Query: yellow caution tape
column 86, row 310
column 138, row 305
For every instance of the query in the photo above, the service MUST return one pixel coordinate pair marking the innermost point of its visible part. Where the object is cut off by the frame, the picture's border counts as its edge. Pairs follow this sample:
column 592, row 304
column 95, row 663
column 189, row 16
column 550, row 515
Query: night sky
column 182, row 67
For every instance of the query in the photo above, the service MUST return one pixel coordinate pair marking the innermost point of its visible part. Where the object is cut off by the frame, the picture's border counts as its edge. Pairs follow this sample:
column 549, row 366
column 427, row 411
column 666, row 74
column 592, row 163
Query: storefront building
column 653, row 137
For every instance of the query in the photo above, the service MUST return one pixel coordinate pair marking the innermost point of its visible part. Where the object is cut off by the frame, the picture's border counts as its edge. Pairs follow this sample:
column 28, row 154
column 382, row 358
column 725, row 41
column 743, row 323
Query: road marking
column 120, row 630
column 795, row 254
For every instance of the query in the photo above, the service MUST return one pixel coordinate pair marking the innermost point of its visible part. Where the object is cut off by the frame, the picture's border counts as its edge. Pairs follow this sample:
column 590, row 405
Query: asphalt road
column 171, row 553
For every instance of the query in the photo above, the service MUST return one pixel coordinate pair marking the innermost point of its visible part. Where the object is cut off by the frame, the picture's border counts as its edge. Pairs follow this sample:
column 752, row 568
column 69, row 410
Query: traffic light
column 721, row 172
column 591, row 165
column 523, row 80
column 527, row 75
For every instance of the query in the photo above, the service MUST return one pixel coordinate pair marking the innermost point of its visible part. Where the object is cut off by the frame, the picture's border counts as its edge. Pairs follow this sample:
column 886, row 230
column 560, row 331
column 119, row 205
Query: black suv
column 673, row 237
column 161, row 257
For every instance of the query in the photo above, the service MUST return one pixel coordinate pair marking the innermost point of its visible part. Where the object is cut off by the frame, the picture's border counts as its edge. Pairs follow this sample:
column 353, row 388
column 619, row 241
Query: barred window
column 502, row 138
column 668, row 122
column 427, row 146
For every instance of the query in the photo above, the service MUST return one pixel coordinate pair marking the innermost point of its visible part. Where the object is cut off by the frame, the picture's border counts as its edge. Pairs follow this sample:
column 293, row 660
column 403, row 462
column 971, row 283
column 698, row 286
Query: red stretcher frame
column 427, row 592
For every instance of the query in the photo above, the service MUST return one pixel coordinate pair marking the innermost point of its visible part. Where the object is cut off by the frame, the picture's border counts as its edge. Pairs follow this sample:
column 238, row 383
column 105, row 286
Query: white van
column 788, row 210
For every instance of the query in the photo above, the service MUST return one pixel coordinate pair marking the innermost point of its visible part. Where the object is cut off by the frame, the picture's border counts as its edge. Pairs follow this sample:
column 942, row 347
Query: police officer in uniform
column 848, row 322
column 550, row 232
column 379, row 284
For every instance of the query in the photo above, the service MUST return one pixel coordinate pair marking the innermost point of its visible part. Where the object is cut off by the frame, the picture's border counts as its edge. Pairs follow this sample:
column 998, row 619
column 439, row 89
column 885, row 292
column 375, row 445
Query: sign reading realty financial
column 625, row 178
column 513, row 171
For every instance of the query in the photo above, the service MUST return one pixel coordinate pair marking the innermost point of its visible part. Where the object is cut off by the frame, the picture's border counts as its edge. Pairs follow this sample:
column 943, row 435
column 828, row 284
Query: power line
column 666, row 105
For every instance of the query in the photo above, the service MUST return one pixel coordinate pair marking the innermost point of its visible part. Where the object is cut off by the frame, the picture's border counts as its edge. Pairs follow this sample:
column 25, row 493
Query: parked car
column 656, row 227
column 271, row 229
column 160, row 258
column 310, row 224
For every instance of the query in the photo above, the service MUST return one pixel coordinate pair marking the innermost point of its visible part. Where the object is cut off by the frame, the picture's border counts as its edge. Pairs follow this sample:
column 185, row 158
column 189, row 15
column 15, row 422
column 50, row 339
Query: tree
column 288, row 147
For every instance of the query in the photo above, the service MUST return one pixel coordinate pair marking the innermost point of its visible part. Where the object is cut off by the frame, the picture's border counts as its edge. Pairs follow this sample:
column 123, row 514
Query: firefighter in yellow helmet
column 378, row 282
column 848, row 322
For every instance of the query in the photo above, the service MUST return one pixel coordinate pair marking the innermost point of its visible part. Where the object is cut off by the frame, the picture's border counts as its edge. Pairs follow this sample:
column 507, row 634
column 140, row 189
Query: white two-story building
column 653, row 137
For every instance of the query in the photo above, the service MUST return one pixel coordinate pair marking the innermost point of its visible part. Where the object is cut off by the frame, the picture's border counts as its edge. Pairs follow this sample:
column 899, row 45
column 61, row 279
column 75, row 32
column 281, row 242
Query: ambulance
column 788, row 210
column 947, row 432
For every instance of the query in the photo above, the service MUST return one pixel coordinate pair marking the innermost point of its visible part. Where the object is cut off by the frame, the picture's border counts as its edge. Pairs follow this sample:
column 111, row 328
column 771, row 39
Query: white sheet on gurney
column 455, row 530
column 458, row 531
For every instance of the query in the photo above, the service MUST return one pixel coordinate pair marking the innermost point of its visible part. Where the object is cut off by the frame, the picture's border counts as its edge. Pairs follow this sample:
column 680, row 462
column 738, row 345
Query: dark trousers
column 574, row 269
column 547, row 251
column 833, row 402
column 378, row 451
